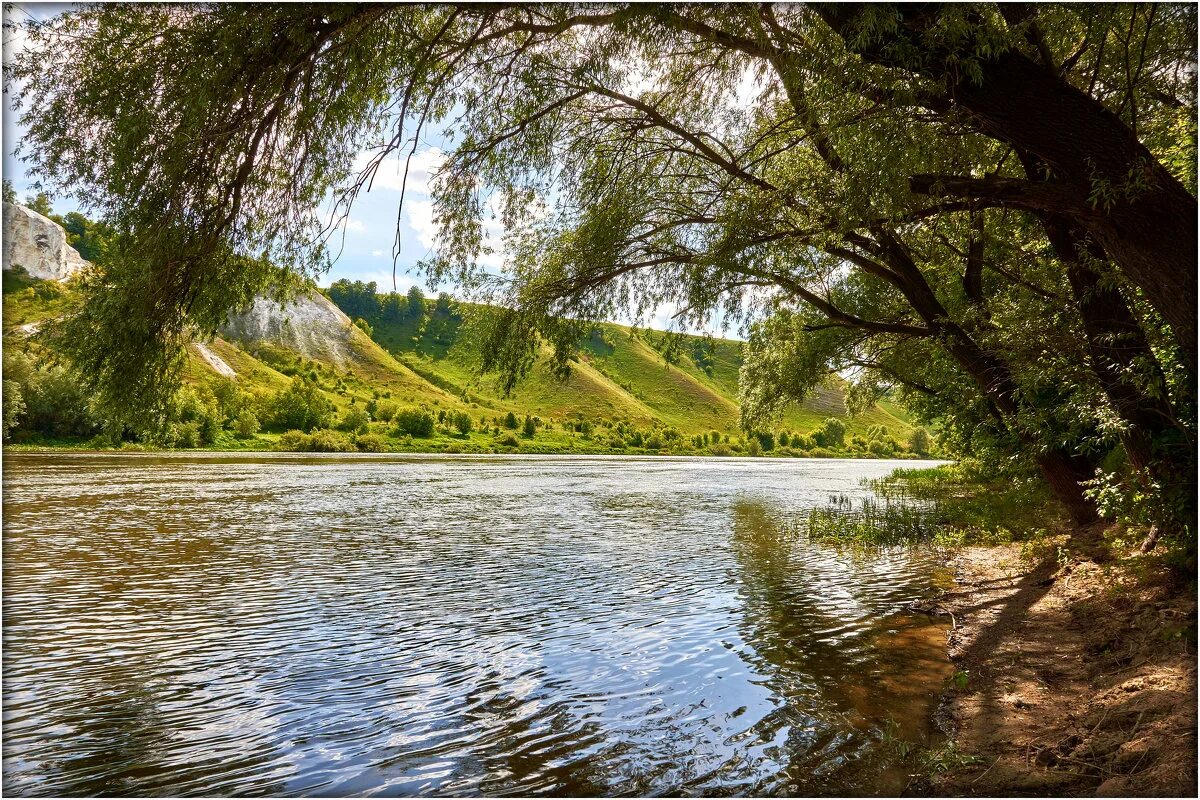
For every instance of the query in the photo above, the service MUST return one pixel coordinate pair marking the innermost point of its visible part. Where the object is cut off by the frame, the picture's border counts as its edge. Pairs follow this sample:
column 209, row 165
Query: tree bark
column 1143, row 218
column 1063, row 470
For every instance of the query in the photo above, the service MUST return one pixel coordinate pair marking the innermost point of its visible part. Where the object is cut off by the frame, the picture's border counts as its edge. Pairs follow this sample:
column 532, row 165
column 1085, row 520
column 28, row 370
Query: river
column 217, row 624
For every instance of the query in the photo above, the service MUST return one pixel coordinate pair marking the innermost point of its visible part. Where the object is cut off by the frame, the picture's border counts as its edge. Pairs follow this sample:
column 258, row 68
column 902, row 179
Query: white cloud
column 419, row 215
column 389, row 175
column 377, row 253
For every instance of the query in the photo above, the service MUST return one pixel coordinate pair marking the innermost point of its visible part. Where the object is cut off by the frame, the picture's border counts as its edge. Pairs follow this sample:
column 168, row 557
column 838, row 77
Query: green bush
column 246, row 424
column 529, row 428
column 371, row 443
column 462, row 423
column 319, row 441
column 510, row 421
column 417, row 424
column 301, row 406
column 831, row 434
column 355, row 420
column 385, row 411
column 509, row 441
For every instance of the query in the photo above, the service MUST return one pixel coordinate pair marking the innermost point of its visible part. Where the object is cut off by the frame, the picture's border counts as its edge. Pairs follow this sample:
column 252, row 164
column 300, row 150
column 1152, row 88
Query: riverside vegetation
column 983, row 212
column 412, row 385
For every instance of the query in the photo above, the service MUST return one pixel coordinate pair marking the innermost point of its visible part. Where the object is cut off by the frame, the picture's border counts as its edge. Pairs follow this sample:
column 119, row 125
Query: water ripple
column 326, row 626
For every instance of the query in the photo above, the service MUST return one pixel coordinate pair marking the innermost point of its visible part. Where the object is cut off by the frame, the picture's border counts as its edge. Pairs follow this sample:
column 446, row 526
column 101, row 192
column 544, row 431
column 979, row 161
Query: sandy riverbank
column 1074, row 679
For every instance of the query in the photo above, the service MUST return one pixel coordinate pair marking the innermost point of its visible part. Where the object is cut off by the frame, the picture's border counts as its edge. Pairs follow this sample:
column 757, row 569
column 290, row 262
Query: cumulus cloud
column 389, row 175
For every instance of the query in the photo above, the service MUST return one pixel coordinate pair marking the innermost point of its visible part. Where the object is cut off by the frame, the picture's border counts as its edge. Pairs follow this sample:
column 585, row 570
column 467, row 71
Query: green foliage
column 354, row 420
column 919, row 441
column 363, row 326
column 510, row 421
column 385, row 411
column 415, row 423
column 246, row 424
column 301, row 406
column 462, row 423
column 371, row 443
column 319, row 441
column 832, row 434
column 528, row 428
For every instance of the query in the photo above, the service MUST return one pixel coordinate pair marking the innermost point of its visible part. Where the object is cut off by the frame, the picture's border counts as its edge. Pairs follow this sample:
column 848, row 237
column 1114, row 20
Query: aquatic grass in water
column 939, row 506
column 873, row 522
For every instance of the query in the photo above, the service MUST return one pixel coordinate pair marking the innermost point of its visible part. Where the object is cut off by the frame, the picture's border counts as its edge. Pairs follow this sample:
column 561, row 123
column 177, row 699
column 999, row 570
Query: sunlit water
column 427, row 625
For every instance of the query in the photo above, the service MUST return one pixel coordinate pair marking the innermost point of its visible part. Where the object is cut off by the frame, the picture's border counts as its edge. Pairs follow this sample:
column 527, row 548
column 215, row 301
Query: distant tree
column 10, row 194
column 765, row 439
column 415, row 423
column 444, row 304
column 355, row 420
column 463, row 423
column 510, row 421
column 416, row 303
column 246, row 424
column 385, row 411
column 529, row 428
column 393, row 307
column 831, row 434
column 355, row 298
column 919, row 441
column 301, row 406
column 40, row 203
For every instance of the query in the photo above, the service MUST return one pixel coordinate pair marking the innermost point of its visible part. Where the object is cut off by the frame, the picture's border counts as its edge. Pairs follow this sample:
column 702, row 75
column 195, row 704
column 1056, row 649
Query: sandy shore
column 1073, row 679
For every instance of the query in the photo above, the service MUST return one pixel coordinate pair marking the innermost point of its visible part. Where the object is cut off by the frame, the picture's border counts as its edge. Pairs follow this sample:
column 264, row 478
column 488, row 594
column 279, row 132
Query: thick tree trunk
column 1064, row 471
column 1135, row 209
column 1124, row 364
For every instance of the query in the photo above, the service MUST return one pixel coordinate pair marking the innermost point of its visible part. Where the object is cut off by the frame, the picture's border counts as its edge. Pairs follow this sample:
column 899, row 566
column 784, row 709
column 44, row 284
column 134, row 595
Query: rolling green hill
column 628, row 390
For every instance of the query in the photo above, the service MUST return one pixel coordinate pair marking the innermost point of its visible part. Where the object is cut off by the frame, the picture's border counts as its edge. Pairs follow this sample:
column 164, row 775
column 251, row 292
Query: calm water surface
column 279, row 624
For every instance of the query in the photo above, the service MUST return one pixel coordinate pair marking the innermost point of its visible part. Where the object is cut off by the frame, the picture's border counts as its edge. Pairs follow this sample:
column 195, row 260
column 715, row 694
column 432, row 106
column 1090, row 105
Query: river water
column 351, row 625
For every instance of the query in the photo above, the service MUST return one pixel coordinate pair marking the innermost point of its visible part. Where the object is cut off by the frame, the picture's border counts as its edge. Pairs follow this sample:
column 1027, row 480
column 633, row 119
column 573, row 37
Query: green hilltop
column 408, row 379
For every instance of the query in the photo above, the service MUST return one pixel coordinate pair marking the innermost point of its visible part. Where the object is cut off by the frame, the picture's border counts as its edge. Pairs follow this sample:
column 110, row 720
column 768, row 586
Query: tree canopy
column 987, row 209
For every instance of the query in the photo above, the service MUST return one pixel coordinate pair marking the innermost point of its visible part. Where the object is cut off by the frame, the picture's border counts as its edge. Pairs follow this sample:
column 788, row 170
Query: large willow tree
column 990, row 209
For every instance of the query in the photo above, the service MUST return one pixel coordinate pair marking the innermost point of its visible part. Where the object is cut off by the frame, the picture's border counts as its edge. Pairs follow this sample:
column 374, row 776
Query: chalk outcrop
column 38, row 245
column 214, row 361
column 309, row 324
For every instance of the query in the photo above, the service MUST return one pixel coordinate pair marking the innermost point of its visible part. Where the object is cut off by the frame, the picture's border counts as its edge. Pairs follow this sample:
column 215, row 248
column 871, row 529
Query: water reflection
column 404, row 626
column 825, row 633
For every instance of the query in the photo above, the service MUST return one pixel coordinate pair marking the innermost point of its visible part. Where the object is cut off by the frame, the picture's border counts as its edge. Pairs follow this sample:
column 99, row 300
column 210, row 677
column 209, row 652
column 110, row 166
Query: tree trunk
column 1139, row 213
column 1064, row 471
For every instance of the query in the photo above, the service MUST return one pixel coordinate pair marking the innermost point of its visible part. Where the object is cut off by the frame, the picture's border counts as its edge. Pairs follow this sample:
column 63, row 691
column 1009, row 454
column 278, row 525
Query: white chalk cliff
column 38, row 245
column 309, row 324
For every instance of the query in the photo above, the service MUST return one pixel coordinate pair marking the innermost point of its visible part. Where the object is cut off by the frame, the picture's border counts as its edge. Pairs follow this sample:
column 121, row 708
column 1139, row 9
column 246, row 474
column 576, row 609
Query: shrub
column 529, row 428
column 919, row 441
column 354, row 421
column 385, row 411
column 463, row 423
column 510, row 421
column 720, row 449
column 301, row 406
column 246, row 424
column 417, row 424
column 831, row 434
column 371, row 443
column 363, row 326
column 754, row 448
column 319, row 441
column 509, row 441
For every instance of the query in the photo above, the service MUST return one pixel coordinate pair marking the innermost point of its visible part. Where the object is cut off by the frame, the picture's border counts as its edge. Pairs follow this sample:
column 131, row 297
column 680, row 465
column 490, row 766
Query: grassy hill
column 628, row 390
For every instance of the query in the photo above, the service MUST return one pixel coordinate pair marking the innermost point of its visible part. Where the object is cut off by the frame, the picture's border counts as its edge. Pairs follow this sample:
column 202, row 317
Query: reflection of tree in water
column 841, row 672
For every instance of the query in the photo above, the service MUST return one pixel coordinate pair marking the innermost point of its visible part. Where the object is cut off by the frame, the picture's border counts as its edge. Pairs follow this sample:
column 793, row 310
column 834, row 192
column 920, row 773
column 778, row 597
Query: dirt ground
column 1073, row 679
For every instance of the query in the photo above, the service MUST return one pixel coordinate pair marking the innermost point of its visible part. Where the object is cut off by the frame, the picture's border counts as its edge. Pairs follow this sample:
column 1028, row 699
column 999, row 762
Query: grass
column 943, row 506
